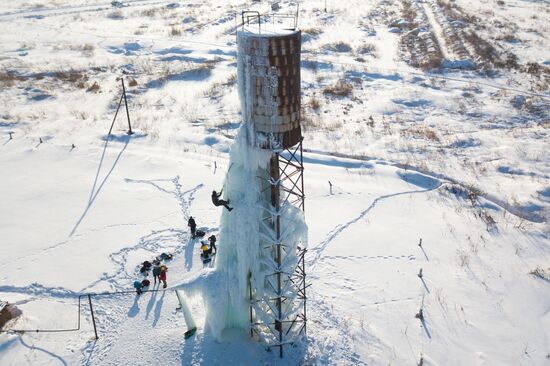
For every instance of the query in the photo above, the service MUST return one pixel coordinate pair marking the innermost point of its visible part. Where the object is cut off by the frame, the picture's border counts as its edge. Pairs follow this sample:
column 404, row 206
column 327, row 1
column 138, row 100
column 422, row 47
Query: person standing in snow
column 205, row 250
column 162, row 277
column 218, row 202
column 212, row 240
column 137, row 286
column 145, row 268
column 156, row 272
column 193, row 225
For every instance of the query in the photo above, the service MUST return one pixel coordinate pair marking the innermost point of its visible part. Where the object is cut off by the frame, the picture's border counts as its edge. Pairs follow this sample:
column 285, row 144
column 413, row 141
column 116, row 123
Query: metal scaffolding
column 282, row 298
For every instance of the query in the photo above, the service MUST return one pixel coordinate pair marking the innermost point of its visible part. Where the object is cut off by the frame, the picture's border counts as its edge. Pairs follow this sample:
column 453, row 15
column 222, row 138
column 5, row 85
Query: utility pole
column 126, row 104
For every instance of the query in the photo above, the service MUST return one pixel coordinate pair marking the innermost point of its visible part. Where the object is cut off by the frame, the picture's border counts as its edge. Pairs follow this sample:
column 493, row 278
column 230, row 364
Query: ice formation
column 258, row 240
column 242, row 245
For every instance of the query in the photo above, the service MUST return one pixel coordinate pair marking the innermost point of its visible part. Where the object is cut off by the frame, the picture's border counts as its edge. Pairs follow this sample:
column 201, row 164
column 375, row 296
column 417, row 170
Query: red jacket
column 163, row 275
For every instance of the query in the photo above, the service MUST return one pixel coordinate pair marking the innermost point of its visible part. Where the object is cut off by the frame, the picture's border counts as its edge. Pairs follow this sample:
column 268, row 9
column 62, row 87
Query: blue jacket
column 137, row 284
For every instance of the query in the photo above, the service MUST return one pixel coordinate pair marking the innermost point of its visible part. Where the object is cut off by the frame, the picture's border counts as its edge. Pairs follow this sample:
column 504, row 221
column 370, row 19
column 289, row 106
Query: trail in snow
column 183, row 202
column 155, row 242
column 512, row 209
column 409, row 257
column 40, row 291
column 336, row 231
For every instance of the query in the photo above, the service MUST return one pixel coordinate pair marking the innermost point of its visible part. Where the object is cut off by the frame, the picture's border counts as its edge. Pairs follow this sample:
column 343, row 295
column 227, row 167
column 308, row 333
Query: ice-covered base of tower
column 242, row 248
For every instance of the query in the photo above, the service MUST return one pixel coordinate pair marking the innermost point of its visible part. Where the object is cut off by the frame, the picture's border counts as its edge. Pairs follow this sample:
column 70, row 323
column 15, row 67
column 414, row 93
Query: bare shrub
column 488, row 219
column 533, row 68
column 309, row 122
column 314, row 103
column 80, row 115
column 541, row 273
column 149, row 12
column 71, row 76
column 115, row 15
column 408, row 12
column 463, row 257
column 8, row 78
column 508, row 37
column 422, row 132
column 340, row 89
column 231, row 80
column 214, row 91
column 368, row 49
column 175, row 32
column 370, row 122
column 337, row 47
column 88, row 49
column 94, row 88
column 312, row 31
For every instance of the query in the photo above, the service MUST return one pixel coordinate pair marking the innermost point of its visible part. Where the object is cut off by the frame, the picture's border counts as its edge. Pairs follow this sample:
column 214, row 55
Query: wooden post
column 11, row 133
column 420, row 273
column 420, row 243
column 330, row 185
column 93, row 318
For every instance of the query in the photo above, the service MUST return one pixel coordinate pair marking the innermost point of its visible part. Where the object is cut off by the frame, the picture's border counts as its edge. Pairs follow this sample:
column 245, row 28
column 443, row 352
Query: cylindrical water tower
column 270, row 92
column 269, row 87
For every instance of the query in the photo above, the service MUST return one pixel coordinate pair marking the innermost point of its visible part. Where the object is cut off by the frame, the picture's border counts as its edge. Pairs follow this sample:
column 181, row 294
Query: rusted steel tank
column 269, row 86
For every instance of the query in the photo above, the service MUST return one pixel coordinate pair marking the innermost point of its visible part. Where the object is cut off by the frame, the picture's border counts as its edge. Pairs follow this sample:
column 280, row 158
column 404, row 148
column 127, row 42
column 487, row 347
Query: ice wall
column 239, row 250
column 242, row 243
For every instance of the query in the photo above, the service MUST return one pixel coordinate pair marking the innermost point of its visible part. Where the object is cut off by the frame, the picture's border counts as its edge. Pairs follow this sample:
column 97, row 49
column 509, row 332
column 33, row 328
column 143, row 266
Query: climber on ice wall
column 218, row 202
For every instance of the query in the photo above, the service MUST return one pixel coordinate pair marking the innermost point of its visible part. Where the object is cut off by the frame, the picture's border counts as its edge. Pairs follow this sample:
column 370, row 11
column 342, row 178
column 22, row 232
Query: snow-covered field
column 455, row 156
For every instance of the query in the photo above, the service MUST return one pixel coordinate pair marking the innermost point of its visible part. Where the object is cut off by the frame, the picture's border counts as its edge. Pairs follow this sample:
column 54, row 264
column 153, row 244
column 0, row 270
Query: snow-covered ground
column 455, row 157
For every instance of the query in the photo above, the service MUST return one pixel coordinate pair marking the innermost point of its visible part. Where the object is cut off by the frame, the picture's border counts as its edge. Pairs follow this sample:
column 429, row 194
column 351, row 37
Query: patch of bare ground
column 8, row 78
column 341, row 89
column 418, row 40
column 488, row 53
column 421, row 132
column 71, row 77
column 7, row 313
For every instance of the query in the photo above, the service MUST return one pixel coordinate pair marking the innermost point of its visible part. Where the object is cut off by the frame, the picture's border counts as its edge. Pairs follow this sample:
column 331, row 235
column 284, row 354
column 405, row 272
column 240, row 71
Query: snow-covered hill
column 429, row 118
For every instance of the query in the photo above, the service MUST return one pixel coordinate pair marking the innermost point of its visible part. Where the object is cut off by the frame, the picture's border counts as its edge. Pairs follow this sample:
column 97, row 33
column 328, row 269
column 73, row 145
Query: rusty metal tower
column 270, row 93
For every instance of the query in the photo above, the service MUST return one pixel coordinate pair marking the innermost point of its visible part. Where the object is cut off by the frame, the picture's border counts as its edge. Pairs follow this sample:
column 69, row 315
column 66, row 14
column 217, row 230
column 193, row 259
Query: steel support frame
column 286, row 186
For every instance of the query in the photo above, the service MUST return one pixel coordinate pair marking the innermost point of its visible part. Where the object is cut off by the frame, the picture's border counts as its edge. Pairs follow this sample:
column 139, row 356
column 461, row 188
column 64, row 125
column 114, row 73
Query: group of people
column 159, row 270
column 207, row 250
column 159, row 273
